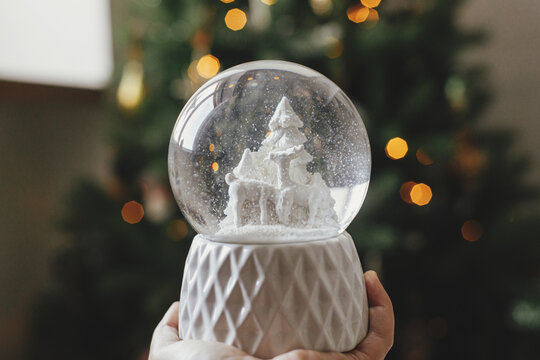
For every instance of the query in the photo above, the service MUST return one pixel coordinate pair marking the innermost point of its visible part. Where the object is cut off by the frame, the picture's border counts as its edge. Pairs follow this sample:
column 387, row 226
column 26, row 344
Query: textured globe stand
column 267, row 299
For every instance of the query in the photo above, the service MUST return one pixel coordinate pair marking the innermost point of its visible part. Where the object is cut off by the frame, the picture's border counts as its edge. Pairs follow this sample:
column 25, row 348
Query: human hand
column 166, row 344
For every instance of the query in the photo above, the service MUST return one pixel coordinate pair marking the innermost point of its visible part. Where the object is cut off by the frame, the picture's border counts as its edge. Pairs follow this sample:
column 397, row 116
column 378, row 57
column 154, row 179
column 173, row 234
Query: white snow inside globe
column 269, row 151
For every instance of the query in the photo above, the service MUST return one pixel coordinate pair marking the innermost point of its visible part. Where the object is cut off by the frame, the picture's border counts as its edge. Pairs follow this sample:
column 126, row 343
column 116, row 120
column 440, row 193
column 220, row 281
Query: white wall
column 56, row 42
column 513, row 57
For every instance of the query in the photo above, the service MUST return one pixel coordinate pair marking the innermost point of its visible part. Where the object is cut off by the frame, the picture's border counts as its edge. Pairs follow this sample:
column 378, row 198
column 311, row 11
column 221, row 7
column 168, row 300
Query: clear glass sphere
column 269, row 151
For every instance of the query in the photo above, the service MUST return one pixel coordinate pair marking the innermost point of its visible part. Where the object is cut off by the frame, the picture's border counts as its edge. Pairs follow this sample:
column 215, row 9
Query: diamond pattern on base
column 270, row 299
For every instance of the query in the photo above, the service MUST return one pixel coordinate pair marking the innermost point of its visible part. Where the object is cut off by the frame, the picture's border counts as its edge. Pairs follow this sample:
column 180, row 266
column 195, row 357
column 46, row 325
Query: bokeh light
column 472, row 230
column 423, row 158
column 334, row 49
column 235, row 19
column 130, row 89
column 357, row 13
column 227, row 1
column 211, row 147
column 215, row 166
column 396, row 148
column 208, row 66
column 371, row 3
column 321, row 7
column 373, row 16
column 421, row 194
column 405, row 191
column 132, row 212
column 269, row 2
column 178, row 229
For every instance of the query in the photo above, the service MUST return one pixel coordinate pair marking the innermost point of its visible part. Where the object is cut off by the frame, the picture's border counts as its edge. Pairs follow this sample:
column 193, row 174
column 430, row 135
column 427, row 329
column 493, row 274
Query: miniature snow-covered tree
column 285, row 134
column 271, row 188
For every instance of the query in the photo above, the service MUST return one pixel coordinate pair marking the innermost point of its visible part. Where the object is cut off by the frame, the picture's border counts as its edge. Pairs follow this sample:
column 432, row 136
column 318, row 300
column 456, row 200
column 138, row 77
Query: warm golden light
column 130, row 90
column 230, row 86
column 211, row 147
column 132, row 212
column 472, row 230
column 371, row 3
column 267, row 134
column 250, row 78
column 321, row 7
column 208, row 66
column 178, row 229
column 276, row 77
column 334, row 49
column 269, row 2
column 357, row 13
column 405, row 191
column 373, row 16
column 235, row 19
column 215, row 166
column 227, row 1
column 423, row 158
column 396, row 148
column 421, row 194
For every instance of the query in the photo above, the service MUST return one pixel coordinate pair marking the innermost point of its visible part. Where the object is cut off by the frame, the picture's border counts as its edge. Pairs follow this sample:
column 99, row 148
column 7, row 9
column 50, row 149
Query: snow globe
column 270, row 162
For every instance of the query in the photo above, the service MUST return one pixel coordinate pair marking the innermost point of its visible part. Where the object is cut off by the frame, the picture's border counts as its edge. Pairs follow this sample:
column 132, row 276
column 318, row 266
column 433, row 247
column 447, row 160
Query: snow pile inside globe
column 269, row 151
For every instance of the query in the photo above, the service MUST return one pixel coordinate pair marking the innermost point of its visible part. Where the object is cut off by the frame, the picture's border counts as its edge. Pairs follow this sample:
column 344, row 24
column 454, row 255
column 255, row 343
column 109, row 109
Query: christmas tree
column 444, row 222
column 284, row 133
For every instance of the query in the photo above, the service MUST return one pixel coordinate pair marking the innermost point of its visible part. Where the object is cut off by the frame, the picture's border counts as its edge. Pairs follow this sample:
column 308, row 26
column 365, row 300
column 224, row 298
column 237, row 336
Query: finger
column 171, row 316
column 200, row 349
column 380, row 337
column 311, row 355
column 166, row 332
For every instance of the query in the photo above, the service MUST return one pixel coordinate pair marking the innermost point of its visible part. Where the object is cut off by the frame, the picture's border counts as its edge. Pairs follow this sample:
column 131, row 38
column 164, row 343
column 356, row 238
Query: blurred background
column 92, row 244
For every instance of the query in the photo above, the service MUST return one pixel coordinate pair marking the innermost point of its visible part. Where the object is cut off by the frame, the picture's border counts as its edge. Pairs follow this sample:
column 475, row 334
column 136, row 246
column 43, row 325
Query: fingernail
column 371, row 276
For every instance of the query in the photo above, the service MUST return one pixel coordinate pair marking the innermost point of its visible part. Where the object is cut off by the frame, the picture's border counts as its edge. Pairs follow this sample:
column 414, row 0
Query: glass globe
column 269, row 151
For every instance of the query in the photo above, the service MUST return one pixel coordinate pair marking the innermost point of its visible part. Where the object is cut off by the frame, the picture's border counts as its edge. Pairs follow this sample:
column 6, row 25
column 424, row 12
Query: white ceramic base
column 270, row 299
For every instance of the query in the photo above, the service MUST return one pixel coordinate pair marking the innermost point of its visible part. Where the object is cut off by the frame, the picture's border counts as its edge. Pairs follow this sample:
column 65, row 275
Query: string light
column 421, row 194
column 405, row 191
column 208, row 66
column 373, row 16
column 396, row 148
column 423, row 158
column 269, row 2
column 455, row 90
column 371, row 3
column 215, row 166
column 211, row 147
column 276, row 77
column 334, row 49
column 469, row 160
column 321, row 7
column 267, row 134
column 472, row 230
column 201, row 41
column 227, row 1
column 357, row 13
column 235, row 19
column 132, row 212
column 130, row 90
